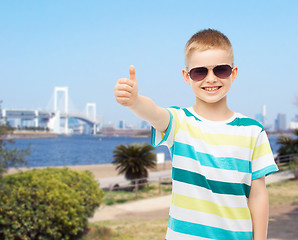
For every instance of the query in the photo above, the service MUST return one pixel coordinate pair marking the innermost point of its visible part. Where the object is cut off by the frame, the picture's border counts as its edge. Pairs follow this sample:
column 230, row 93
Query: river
column 83, row 150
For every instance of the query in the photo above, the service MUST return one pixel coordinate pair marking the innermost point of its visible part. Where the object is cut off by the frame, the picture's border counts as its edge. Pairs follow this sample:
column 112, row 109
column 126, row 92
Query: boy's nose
column 211, row 78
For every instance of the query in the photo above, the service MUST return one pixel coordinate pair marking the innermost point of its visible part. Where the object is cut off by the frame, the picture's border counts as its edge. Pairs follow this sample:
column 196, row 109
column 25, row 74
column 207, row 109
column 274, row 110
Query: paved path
column 279, row 176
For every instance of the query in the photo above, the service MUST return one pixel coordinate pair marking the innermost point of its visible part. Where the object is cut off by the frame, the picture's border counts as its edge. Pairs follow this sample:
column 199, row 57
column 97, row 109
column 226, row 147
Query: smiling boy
column 219, row 158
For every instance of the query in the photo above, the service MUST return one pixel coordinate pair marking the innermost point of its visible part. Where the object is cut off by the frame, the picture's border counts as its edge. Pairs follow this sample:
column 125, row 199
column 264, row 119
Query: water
column 83, row 150
column 76, row 150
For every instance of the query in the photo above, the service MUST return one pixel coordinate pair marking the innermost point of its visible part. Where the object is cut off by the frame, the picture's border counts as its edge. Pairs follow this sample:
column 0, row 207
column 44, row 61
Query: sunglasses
column 199, row 73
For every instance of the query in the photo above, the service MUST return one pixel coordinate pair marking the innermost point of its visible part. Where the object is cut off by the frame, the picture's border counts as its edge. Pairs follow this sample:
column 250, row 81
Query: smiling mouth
column 211, row 89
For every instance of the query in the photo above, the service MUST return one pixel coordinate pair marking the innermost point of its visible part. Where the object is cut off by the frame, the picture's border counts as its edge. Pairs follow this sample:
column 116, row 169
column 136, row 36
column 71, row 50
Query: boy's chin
column 212, row 100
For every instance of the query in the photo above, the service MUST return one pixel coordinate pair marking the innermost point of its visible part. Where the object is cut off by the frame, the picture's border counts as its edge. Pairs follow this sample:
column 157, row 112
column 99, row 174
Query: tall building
column 121, row 124
column 264, row 114
column 281, row 122
column 261, row 117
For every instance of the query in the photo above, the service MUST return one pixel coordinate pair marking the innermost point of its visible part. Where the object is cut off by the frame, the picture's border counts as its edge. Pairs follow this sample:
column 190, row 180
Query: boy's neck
column 218, row 111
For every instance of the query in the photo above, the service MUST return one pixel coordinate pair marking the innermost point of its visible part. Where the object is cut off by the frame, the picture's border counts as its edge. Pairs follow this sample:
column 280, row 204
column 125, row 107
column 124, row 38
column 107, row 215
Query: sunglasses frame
column 210, row 68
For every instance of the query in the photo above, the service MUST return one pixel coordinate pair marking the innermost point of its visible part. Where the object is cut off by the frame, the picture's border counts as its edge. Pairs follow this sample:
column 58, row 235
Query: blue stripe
column 238, row 189
column 209, row 160
column 171, row 149
column 204, row 231
column 264, row 171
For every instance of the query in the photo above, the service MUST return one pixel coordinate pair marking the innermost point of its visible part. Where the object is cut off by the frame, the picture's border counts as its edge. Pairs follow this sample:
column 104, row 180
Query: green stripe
column 175, row 107
column 187, row 113
column 205, row 231
column 197, row 179
column 245, row 122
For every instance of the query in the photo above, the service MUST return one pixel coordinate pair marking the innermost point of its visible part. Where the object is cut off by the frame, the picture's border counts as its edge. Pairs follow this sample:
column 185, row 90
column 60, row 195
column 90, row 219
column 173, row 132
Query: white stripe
column 222, row 175
column 216, row 150
column 262, row 162
column 262, row 139
column 211, row 220
column 246, row 131
column 172, row 235
column 197, row 192
column 157, row 138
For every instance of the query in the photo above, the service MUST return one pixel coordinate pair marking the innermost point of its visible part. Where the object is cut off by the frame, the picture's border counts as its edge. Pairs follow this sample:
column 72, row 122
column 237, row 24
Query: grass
column 116, row 197
column 281, row 194
column 129, row 229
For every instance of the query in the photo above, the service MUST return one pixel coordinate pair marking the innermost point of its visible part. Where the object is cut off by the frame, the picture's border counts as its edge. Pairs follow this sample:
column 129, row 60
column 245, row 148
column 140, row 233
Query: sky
column 88, row 45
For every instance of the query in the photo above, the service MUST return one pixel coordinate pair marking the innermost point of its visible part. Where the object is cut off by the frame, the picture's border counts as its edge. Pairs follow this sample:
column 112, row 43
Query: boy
column 219, row 158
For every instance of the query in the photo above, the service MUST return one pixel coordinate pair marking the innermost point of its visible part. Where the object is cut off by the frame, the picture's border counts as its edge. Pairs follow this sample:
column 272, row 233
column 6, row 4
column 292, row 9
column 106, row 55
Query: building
column 281, row 122
column 121, row 124
column 261, row 117
column 145, row 125
column 294, row 123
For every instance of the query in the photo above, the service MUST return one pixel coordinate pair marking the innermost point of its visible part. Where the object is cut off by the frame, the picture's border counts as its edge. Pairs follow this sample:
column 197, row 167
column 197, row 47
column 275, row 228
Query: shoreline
column 28, row 135
column 98, row 170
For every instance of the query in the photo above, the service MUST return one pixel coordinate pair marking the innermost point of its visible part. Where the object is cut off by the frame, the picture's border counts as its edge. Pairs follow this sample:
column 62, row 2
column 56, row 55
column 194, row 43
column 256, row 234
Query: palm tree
column 134, row 160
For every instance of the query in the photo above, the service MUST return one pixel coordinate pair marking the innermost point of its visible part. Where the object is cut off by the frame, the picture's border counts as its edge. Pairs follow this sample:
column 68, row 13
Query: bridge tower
column 91, row 113
column 60, row 93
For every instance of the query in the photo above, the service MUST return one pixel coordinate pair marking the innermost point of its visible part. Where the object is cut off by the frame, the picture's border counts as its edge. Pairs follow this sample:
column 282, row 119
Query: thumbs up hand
column 126, row 89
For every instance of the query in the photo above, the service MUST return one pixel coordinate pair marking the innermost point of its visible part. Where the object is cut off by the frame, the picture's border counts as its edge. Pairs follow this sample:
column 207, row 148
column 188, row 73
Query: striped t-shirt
column 213, row 164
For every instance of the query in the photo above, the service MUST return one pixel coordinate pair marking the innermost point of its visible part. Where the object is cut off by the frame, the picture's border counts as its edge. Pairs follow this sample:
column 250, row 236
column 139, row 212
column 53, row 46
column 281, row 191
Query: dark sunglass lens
column 198, row 74
column 222, row 71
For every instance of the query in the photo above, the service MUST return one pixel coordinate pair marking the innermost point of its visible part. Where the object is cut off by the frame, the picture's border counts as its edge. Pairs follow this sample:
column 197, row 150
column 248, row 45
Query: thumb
column 132, row 73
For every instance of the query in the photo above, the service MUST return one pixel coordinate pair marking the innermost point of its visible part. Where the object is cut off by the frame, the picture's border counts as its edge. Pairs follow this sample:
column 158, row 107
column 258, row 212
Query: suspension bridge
column 58, row 119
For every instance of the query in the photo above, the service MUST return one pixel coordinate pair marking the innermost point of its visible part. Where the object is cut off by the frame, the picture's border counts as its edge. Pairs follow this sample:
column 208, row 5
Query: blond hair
column 205, row 40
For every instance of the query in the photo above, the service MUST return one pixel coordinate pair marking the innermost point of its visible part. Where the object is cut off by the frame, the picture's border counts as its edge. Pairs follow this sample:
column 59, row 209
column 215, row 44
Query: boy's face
column 211, row 89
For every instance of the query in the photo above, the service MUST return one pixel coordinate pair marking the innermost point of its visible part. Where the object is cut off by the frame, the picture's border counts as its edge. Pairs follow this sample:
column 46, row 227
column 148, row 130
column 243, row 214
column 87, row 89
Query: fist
column 126, row 89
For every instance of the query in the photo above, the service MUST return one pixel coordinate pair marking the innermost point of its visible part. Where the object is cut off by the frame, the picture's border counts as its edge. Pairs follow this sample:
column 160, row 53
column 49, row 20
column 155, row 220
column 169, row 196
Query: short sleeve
column 263, row 162
column 160, row 138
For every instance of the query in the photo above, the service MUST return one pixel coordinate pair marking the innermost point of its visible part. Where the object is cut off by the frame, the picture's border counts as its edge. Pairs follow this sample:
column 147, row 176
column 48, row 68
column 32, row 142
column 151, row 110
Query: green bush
column 47, row 204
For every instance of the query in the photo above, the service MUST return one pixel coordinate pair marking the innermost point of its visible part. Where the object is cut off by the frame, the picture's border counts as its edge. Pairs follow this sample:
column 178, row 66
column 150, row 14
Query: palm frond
column 134, row 160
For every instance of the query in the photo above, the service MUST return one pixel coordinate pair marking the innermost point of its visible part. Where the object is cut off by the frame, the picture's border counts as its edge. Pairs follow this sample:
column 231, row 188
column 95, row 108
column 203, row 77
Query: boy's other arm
column 259, row 208
column 126, row 94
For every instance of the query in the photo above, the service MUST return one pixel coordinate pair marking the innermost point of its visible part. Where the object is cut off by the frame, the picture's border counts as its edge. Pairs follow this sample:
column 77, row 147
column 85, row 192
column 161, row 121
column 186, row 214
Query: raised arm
column 126, row 94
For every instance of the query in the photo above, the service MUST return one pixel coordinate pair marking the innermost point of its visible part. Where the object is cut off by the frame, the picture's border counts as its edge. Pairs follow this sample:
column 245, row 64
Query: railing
column 136, row 184
column 285, row 158
column 283, row 161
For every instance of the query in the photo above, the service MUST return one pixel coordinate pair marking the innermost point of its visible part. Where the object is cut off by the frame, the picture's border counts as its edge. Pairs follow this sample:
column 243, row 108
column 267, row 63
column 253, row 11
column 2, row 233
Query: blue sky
column 88, row 45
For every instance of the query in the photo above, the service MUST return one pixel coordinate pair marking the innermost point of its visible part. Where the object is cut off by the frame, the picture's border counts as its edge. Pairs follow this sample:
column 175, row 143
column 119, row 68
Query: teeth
column 211, row 88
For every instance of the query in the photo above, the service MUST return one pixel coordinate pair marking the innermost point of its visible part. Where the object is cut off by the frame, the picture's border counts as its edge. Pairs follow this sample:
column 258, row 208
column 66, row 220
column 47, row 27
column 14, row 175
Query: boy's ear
column 234, row 73
column 186, row 76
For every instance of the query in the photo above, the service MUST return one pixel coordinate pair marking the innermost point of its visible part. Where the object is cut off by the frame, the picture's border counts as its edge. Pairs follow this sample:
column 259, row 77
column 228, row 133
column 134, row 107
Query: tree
column 10, row 156
column 288, row 145
column 134, row 160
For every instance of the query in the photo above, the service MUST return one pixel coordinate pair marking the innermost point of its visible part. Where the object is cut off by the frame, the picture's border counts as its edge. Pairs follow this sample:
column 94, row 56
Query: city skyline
column 88, row 46
column 280, row 121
